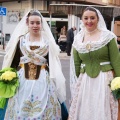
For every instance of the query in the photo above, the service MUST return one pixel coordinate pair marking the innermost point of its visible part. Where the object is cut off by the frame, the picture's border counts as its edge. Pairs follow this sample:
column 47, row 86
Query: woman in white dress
column 42, row 84
column 95, row 56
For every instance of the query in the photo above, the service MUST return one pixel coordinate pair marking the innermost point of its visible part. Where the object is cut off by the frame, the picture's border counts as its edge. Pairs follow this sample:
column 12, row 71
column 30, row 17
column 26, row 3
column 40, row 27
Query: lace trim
column 113, row 102
column 25, row 47
column 35, row 56
column 86, row 47
column 73, row 107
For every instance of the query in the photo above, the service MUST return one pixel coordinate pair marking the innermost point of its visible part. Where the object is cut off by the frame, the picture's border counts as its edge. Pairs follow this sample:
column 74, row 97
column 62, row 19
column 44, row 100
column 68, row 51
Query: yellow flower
column 115, row 84
column 8, row 75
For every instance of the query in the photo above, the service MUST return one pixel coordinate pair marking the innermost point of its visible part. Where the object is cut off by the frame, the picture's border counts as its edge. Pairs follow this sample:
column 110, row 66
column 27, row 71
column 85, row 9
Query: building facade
column 17, row 8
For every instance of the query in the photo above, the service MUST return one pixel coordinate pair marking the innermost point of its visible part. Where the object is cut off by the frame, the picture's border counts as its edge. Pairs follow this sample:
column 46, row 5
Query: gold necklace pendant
column 88, row 46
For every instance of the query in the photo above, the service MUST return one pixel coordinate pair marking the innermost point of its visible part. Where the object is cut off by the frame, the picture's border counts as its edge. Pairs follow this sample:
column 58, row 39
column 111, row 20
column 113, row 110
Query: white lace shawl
column 105, row 38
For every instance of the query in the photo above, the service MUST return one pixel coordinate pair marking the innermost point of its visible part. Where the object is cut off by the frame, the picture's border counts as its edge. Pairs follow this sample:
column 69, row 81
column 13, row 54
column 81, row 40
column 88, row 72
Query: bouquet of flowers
column 115, row 87
column 8, row 84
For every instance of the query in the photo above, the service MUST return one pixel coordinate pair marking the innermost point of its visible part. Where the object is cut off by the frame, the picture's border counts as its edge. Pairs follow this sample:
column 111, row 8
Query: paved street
column 1, row 60
column 65, row 67
column 65, row 61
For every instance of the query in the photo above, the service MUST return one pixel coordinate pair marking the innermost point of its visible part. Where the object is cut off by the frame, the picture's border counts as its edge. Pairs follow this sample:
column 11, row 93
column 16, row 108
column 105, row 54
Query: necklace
column 90, row 33
column 88, row 46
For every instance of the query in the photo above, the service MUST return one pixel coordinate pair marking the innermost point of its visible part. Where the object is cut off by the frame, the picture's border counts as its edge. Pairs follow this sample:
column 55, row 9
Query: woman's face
column 90, row 20
column 34, row 24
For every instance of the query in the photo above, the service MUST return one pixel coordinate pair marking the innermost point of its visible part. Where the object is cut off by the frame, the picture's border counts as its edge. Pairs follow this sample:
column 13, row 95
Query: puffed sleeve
column 77, row 61
column 114, row 57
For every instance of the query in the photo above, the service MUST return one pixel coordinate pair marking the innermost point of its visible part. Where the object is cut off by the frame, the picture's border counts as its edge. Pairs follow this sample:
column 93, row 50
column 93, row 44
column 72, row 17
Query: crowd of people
column 41, row 95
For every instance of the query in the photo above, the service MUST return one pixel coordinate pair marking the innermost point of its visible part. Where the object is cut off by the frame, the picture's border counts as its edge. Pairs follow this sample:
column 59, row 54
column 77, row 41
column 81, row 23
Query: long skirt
column 34, row 100
column 93, row 99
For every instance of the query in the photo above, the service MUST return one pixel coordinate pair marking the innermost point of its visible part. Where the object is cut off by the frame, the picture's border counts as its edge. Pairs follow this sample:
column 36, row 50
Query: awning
column 76, row 9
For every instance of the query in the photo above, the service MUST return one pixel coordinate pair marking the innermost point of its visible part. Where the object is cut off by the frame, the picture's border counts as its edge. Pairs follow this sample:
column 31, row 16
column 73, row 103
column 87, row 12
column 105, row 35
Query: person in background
column 95, row 61
column 1, row 37
column 70, row 38
column 1, row 34
column 62, row 39
column 33, row 52
column 62, row 34
column 63, row 30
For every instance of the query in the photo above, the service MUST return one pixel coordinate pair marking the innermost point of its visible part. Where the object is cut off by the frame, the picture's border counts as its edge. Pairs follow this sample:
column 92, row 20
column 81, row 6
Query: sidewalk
column 63, row 55
column 2, row 50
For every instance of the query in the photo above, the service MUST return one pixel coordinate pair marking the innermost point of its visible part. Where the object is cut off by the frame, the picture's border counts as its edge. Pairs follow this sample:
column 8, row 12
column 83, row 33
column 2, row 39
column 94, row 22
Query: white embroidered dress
column 35, row 99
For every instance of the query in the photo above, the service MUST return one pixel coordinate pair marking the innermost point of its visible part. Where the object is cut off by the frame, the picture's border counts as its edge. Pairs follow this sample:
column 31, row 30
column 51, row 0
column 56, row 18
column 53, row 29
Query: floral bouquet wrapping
column 115, row 87
column 8, row 84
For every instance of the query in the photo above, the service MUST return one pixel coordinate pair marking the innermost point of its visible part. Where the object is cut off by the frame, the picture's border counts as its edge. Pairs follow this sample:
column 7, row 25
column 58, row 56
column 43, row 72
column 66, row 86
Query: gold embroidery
column 36, row 103
column 21, row 65
column 31, row 107
column 34, row 47
column 88, row 46
column 55, row 105
column 54, row 110
column 48, row 111
column 32, row 70
column 43, row 66
column 28, row 103
column 11, row 110
column 52, row 100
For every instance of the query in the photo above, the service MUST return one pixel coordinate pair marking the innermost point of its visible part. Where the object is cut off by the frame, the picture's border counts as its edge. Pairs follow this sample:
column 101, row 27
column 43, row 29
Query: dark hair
column 33, row 13
column 90, row 9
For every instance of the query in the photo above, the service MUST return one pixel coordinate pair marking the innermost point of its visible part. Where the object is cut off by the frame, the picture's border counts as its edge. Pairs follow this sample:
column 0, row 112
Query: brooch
column 88, row 46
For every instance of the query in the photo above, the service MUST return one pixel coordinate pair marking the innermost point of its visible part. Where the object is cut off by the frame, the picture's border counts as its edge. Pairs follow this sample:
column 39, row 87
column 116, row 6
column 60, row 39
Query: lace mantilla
column 105, row 38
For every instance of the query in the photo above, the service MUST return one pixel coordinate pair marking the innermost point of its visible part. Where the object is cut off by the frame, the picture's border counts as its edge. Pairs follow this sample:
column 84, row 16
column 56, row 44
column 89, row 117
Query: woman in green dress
column 95, row 56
